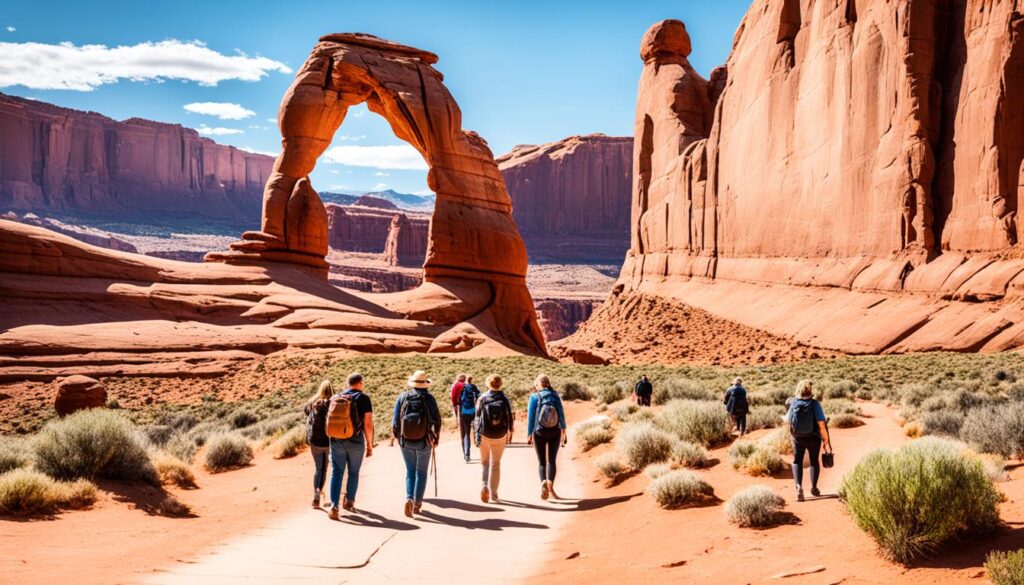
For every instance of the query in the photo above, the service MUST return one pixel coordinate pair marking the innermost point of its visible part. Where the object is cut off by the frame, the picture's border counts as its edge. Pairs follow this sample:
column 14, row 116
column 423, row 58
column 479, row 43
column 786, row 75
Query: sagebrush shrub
column 996, row 429
column 593, row 436
column 764, row 417
column 689, row 454
column 1005, row 568
column 272, row 426
column 227, row 451
column 845, row 420
column 680, row 389
column 622, row 412
column 290, row 443
column 680, row 488
column 914, row 499
column 575, row 391
column 14, row 454
column 641, row 445
column 943, row 422
column 91, row 444
column 706, row 423
column 611, row 465
column 740, row 451
column 609, row 393
column 764, row 462
column 158, row 434
column 171, row 469
column 657, row 470
column 242, row 417
column 755, row 507
column 25, row 492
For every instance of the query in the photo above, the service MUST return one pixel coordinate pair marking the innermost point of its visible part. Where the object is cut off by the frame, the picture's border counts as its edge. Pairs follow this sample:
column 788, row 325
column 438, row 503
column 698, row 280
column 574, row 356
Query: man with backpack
column 809, row 429
column 456, row 390
column 494, row 424
column 545, row 427
column 416, row 422
column 466, row 413
column 643, row 391
column 350, row 428
column 737, row 406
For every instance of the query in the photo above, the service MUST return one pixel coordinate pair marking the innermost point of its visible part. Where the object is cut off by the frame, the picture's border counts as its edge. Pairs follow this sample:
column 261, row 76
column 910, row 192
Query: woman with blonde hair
column 545, row 427
column 316, row 435
column 494, row 424
column 807, row 425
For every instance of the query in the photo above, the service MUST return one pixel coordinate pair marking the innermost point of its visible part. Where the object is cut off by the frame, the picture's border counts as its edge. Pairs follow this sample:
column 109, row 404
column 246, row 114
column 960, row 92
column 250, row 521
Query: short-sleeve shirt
column 363, row 407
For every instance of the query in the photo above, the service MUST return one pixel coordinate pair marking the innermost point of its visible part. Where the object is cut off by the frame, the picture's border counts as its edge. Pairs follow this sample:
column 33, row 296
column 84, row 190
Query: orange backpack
column 340, row 416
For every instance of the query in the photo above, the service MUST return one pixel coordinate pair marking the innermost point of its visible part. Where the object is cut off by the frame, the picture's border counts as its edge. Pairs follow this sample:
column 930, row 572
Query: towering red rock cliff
column 407, row 241
column 856, row 180
column 571, row 198
column 353, row 228
column 57, row 159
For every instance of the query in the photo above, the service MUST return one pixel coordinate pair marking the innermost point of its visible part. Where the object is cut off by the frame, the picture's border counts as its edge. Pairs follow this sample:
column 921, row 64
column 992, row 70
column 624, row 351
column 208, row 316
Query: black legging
column 812, row 446
column 546, row 444
column 465, row 432
column 643, row 399
column 741, row 422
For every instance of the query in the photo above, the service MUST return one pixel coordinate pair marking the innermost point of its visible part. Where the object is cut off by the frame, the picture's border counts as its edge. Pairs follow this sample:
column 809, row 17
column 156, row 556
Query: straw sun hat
column 419, row 379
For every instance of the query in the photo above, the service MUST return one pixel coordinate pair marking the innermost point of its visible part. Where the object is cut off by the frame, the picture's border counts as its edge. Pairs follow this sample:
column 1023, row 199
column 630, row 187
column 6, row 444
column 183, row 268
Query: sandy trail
column 455, row 538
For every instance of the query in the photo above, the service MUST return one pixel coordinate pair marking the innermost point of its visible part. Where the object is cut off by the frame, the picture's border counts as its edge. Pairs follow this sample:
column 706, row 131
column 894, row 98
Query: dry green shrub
column 678, row 489
column 706, row 423
column 612, row 466
column 687, row 454
column 172, row 470
column 227, row 451
column 1005, row 568
column 25, row 492
column 641, row 444
column 290, row 443
column 755, row 507
column 94, row 443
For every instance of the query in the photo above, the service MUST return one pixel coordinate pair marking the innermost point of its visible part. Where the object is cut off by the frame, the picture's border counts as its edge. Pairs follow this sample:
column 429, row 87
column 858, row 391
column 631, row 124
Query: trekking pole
column 433, row 464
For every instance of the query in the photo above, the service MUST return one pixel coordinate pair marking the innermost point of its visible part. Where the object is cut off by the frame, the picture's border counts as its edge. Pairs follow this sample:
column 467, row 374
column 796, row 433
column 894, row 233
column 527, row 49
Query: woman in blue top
column 545, row 429
column 807, row 425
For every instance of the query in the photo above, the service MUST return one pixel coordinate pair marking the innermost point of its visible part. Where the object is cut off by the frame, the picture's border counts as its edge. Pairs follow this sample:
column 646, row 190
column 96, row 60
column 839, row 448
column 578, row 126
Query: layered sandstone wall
column 57, row 159
column 571, row 198
column 353, row 228
column 849, row 179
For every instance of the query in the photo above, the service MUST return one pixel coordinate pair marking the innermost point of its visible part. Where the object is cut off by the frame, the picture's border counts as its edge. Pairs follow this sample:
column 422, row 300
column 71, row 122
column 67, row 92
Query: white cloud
column 205, row 130
column 86, row 67
column 11, row 29
column 222, row 110
column 351, row 138
column 381, row 174
column 423, row 192
column 272, row 120
column 402, row 157
column 380, row 186
column 254, row 151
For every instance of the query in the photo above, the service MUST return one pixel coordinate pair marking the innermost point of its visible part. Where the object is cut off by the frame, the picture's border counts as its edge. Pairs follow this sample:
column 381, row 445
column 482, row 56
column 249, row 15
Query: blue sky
column 522, row 72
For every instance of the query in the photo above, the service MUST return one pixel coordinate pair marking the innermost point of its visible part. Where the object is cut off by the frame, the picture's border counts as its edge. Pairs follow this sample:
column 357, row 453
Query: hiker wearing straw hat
column 416, row 422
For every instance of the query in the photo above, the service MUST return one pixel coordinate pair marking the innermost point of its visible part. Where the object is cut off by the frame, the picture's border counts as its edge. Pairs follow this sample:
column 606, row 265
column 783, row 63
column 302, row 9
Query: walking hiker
column 737, row 406
column 316, row 437
column 545, row 427
column 807, row 425
column 643, row 391
column 494, row 425
column 350, row 428
column 456, row 390
column 466, row 413
column 416, row 422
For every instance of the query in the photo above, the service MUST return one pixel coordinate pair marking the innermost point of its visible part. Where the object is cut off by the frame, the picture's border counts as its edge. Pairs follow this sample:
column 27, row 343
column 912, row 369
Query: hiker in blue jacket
column 545, row 429
column 737, row 406
column 807, row 425
column 468, row 396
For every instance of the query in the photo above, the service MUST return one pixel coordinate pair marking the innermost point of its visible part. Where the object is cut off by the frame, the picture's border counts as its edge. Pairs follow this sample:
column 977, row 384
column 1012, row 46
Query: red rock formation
column 571, row 198
column 809, row 204
column 57, row 159
column 371, row 201
column 353, row 228
column 78, row 392
column 560, row 317
column 407, row 241
column 89, row 235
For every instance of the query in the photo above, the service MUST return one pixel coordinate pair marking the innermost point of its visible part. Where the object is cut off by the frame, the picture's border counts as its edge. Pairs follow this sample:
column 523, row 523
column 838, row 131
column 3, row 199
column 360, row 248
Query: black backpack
column 494, row 419
column 738, row 398
column 414, row 417
column 801, row 419
column 316, row 424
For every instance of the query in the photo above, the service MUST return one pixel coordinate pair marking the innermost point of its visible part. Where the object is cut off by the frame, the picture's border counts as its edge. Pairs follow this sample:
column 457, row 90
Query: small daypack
column 316, row 423
column 801, row 419
column 547, row 410
column 341, row 416
column 413, row 418
column 738, row 401
column 468, row 399
column 494, row 419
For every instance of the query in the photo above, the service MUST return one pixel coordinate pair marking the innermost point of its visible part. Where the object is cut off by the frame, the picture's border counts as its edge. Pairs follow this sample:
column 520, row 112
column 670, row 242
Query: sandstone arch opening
column 475, row 264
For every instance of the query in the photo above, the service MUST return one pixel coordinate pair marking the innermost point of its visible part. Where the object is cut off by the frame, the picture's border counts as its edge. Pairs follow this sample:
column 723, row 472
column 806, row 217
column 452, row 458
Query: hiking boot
column 417, row 507
column 316, row 500
column 348, row 505
column 815, row 492
column 544, row 490
column 799, row 494
column 333, row 515
column 408, row 508
column 467, row 458
column 485, row 494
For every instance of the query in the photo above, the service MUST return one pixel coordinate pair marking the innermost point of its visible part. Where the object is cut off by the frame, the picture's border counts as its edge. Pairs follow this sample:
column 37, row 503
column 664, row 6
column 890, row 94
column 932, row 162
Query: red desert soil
column 642, row 543
column 646, row 329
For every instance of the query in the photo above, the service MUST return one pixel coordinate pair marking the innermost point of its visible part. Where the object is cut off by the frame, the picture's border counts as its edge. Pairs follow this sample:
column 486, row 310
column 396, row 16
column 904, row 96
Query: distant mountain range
column 401, row 200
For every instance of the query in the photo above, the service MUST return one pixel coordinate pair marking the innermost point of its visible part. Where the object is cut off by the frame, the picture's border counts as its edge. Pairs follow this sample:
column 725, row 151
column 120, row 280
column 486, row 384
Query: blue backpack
column 547, row 410
column 468, row 399
column 802, row 422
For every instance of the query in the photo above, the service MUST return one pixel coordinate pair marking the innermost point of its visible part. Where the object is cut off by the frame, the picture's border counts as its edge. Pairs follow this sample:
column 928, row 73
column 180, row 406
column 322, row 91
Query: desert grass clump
column 679, row 489
column 764, row 417
column 172, row 470
column 92, row 444
column 273, row 426
column 593, row 436
column 687, row 454
column 243, row 417
column 25, row 492
column 779, row 441
column 622, row 412
column 575, row 391
column 227, row 451
column 764, row 461
column 290, row 443
column 700, row 422
column 996, row 429
column 845, row 420
column 740, row 451
column 609, row 393
column 943, row 422
column 14, row 454
column 612, row 466
column 755, row 507
column 1005, row 568
column 913, row 429
column 914, row 499
column 657, row 470
column 641, row 445
column 680, row 389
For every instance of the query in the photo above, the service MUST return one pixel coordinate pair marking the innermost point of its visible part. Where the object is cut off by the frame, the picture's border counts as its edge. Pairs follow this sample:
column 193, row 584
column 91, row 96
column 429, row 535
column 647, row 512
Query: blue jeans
column 417, row 462
column 466, row 432
column 346, row 452
column 320, row 466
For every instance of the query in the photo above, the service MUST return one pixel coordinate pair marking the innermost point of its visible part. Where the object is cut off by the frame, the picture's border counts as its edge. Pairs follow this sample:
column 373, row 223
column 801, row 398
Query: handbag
column 828, row 458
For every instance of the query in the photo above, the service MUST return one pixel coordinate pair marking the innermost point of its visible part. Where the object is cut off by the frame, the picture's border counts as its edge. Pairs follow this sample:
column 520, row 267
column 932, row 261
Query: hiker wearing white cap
column 416, row 422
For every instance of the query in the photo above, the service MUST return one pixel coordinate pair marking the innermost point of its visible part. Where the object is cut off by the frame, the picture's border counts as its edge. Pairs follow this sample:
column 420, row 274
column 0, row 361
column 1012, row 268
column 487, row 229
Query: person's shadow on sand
column 485, row 524
column 373, row 520
column 569, row 505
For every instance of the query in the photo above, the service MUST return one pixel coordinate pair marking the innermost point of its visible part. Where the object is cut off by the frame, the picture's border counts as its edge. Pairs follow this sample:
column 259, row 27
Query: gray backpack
column 547, row 410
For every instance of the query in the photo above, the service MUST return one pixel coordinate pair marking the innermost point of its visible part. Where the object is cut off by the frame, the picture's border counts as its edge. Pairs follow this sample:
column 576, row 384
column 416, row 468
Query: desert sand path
column 455, row 538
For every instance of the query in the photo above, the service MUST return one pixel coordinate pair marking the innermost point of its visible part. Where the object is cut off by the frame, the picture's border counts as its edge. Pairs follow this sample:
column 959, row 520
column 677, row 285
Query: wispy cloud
column 272, row 120
column 254, row 151
column 222, row 110
column 351, row 138
column 11, row 29
column 381, row 174
column 380, row 186
column 423, row 192
column 86, row 67
column 218, row 131
column 403, row 157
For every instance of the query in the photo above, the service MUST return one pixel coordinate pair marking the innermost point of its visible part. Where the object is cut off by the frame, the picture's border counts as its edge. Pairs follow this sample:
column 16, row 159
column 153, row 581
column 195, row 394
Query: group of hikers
column 808, row 425
column 339, row 430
